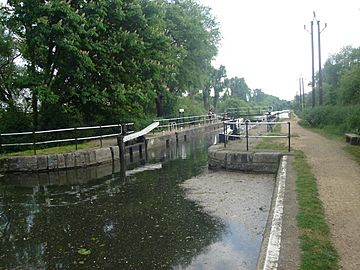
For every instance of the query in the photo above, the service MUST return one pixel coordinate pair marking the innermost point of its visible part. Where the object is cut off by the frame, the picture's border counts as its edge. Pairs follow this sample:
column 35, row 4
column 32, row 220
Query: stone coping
column 38, row 163
column 247, row 161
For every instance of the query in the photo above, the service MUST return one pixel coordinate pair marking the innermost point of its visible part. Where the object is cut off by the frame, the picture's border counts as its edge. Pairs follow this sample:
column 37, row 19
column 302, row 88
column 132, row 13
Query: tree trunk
column 159, row 105
column 206, row 94
column 35, row 115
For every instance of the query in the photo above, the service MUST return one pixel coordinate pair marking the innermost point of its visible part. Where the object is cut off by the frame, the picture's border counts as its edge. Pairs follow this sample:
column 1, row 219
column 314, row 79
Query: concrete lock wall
column 181, row 135
column 84, row 158
column 59, row 161
column 258, row 162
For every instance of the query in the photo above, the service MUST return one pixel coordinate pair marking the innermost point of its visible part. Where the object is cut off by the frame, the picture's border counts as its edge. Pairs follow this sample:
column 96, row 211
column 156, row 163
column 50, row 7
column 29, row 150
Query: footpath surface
column 338, row 179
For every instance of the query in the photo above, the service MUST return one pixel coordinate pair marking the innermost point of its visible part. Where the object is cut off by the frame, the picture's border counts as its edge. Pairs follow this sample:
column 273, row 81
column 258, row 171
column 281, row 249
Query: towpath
column 338, row 179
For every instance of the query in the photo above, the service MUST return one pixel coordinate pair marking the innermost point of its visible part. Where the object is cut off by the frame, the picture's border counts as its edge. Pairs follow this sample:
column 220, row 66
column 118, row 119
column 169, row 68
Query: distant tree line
column 341, row 79
column 67, row 63
column 340, row 111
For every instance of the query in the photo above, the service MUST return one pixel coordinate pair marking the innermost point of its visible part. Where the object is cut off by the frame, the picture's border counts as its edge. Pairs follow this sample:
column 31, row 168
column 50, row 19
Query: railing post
column 76, row 139
column 289, row 135
column 101, row 143
column 224, row 133
column 34, row 142
column 121, row 145
column 247, row 135
column 1, row 148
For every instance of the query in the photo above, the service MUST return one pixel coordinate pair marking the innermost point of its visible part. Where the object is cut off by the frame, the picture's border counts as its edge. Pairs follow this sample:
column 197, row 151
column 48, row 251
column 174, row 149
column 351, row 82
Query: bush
column 336, row 119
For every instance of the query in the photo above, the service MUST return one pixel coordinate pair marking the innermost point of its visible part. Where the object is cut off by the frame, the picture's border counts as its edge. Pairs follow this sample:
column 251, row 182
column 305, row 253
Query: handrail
column 247, row 136
column 168, row 123
column 72, row 138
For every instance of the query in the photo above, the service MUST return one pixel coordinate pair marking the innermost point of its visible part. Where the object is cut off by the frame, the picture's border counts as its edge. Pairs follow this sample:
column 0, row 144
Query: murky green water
column 99, row 219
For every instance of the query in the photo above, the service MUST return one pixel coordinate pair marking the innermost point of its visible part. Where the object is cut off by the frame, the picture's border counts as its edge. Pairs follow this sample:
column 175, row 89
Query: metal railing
column 75, row 137
column 248, row 125
column 170, row 124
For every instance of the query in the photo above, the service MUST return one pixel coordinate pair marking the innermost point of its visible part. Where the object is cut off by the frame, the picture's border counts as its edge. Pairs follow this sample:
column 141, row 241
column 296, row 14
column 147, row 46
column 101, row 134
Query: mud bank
column 243, row 202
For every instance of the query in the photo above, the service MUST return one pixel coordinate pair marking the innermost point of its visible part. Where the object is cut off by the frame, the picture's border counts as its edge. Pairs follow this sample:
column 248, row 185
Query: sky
column 265, row 42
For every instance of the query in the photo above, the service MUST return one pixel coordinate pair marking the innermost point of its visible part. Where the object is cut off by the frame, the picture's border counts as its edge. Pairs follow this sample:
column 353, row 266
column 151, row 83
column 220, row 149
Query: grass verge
column 51, row 150
column 354, row 151
column 269, row 144
column 317, row 249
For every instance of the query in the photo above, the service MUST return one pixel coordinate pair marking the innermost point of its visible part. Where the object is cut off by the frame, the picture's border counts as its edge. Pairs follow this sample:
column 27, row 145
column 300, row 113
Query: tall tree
column 196, row 33
column 239, row 88
column 219, row 84
column 8, row 68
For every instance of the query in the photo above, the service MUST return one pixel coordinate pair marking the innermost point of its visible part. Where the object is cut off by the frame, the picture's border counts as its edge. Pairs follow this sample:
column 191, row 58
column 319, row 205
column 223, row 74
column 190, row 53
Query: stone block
column 267, row 157
column 238, row 158
column 69, row 160
column 90, row 157
column 265, row 167
column 52, row 162
column 79, row 159
column 42, row 162
column 22, row 164
column 61, row 161
column 103, row 155
column 115, row 152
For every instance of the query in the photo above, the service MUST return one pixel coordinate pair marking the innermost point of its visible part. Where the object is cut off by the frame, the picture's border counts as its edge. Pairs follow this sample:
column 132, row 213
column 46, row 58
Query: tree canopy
column 106, row 61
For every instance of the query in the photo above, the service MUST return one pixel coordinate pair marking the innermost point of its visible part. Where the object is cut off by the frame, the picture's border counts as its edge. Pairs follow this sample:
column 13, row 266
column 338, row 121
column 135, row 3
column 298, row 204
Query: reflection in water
column 96, row 219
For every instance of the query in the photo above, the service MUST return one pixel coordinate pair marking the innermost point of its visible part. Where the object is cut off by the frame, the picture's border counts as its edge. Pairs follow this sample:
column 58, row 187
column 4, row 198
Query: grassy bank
column 51, row 150
column 317, row 249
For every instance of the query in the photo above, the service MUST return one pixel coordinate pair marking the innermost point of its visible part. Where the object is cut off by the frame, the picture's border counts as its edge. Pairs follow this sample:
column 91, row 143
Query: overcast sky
column 265, row 41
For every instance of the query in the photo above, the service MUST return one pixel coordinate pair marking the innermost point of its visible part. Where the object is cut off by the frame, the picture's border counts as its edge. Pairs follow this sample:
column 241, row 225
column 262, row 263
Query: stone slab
column 103, row 155
column 42, row 162
column 52, row 162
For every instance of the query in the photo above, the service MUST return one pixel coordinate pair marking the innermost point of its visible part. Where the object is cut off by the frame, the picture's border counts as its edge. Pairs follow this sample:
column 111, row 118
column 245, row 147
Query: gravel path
column 338, row 178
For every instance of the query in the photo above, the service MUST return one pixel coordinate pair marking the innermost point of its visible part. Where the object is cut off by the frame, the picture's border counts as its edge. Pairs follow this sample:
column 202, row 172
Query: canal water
column 99, row 218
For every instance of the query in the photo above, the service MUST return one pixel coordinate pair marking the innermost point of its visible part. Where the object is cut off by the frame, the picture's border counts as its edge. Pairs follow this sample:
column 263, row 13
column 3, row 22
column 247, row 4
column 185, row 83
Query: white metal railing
column 181, row 122
column 248, row 125
column 73, row 138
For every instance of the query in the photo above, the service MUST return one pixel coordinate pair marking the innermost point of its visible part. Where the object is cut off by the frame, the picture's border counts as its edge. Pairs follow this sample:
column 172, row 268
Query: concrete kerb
column 271, row 244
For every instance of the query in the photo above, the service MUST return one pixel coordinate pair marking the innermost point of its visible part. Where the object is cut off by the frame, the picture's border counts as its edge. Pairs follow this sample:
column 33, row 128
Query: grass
column 317, row 249
column 269, row 144
column 51, row 150
column 354, row 151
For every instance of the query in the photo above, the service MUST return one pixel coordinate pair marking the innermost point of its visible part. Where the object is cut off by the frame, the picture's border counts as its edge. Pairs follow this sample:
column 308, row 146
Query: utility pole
column 312, row 59
column 300, row 94
column 303, row 93
column 320, row 73
column 312, row 64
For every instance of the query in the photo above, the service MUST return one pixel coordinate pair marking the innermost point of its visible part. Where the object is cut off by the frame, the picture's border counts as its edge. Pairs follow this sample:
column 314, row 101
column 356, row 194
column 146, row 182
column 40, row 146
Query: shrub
column 336, row 119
